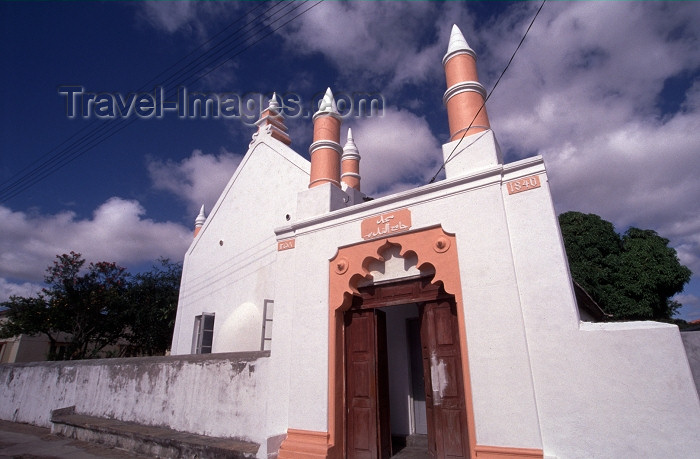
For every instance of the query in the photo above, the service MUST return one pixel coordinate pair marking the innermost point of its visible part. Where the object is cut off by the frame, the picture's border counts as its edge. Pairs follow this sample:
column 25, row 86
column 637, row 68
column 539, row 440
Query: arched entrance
column 367, row 375
column 355, row 425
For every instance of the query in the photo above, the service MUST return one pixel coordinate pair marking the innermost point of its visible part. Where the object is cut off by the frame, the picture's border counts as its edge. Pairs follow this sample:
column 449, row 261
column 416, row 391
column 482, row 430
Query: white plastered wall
column 604, row 390
column 229, row 268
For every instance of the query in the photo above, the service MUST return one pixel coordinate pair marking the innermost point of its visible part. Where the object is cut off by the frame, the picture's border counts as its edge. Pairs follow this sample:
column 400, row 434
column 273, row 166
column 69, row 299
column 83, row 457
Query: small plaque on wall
column 285, row 245
column 523, row 184
column 397, row 221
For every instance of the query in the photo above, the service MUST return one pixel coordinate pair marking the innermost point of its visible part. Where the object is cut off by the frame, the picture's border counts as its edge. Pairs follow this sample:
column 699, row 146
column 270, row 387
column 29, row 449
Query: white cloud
column 25, row 289
column 117, row 231
column 198, row 179
column 378, row 44
column 398, row 151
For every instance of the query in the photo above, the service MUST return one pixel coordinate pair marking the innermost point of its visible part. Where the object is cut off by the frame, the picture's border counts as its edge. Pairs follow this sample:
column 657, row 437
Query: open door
column 367, row 385
column 444, row 393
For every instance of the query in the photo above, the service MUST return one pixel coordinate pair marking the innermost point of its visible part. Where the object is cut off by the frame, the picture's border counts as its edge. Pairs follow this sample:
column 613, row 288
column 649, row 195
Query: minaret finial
column 199, row 221
column 458, row 45
column 327, row 105
column 272, row 122
column 273, row 105
column 350, row 163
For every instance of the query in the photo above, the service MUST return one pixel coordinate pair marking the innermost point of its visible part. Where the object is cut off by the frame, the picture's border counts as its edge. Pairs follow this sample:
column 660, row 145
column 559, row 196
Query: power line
column 142, row 88
column 449, row 157
column 100, row 131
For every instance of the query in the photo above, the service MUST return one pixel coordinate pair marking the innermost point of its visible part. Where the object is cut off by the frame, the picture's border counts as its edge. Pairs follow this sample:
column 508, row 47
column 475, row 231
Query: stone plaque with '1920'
column 523, row 184
column 386, row 224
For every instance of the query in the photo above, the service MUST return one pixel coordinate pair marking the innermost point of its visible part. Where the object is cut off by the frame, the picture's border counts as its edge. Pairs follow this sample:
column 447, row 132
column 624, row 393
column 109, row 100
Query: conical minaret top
column 327, row 106
column 199, row 221
column 350, row 163
column 457, row 45
column 465, row 96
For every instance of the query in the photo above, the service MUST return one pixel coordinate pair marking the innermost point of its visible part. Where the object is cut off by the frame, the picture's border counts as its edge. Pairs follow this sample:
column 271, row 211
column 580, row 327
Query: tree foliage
column 631, row 276
column 98, row 307
column 153, row 298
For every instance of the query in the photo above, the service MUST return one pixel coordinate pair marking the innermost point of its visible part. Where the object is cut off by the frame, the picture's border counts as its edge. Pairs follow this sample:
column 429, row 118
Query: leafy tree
column 87, row 309
column 153, row 304
column 632, row 276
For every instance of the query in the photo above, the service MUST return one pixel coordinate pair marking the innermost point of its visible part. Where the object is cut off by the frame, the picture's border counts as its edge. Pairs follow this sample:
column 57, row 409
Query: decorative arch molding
column 433, row 247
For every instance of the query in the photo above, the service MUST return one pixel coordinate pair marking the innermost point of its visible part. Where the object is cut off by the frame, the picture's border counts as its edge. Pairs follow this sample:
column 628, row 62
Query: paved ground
column 410, row 452
column 23, row 441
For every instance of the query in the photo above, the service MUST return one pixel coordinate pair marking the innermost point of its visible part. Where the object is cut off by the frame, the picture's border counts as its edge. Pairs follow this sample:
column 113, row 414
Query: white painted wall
column 221, row 395
column 615, row 389
column 229, row 268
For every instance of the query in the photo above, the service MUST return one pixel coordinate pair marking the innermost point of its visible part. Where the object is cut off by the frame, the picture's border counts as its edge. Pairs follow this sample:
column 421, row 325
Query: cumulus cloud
column 377, row 44
column 117, row 231
column 196, row 180
column 398, row 151
column 25, row 289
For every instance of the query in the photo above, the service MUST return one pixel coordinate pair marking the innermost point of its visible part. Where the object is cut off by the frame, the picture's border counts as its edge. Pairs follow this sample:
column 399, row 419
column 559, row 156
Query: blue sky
column 607, row 92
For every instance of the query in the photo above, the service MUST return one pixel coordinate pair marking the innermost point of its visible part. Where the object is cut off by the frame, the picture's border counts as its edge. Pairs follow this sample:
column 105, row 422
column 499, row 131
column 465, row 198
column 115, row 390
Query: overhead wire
column 449, row 157
column 108, row 128
column 140, row 89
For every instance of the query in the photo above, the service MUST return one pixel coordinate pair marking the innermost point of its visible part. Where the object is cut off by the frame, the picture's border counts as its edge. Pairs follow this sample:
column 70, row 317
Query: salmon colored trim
column 504, row 452
column 432, row 247
column 325, row 157
column 197, row 229
column 304, row 444
column 462, row 107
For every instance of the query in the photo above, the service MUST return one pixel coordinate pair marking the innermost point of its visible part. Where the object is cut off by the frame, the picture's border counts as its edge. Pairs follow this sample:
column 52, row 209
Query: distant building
column 447, row 310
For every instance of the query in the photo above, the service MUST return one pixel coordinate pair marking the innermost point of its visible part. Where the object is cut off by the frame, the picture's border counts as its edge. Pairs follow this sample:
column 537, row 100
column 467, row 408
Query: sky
column 607, row 92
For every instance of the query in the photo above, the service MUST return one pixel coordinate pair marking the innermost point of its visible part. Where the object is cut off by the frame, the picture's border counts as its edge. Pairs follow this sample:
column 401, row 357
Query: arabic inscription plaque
column 386, row 224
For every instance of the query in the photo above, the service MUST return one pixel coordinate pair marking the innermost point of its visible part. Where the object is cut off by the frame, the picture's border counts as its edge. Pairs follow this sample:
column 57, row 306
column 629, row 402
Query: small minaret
column 465, row 95
column 272, row 120
column 199, row 221
column 350, row 164
column 325, row 150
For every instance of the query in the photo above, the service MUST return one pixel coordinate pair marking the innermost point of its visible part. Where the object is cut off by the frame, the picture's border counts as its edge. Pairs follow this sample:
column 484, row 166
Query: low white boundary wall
column 200, row 394
column 691, row 341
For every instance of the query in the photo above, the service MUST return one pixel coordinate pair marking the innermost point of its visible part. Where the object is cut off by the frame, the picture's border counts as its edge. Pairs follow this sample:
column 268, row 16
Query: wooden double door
column 368, row 432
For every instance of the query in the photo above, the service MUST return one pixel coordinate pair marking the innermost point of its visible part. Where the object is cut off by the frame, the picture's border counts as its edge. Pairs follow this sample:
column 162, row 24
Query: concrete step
column 417, row 441
column 160, row 442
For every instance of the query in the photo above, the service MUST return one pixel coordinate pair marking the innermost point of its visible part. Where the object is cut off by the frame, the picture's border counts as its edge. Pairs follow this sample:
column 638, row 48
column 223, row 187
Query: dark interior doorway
column 381, row 369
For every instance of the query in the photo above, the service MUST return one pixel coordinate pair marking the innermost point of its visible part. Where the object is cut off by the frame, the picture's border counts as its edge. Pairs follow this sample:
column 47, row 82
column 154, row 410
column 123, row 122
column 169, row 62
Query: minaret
column 350, row 164
column 199, row 221
column 325, row 150
column 271, row 120
column 465, row 96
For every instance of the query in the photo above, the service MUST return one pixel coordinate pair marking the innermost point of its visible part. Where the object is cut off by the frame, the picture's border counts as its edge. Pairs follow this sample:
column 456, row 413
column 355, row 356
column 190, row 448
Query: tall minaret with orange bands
column 465, row 96
column 325, row 150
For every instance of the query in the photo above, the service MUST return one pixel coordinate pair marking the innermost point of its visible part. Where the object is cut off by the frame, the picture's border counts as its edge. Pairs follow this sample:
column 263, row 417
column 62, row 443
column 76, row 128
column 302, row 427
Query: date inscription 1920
column 523, row 184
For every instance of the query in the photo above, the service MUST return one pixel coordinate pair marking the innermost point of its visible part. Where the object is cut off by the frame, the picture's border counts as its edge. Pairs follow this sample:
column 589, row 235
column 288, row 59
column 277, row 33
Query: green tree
column 632, row 277
column 87, row 309
column 153, row 304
